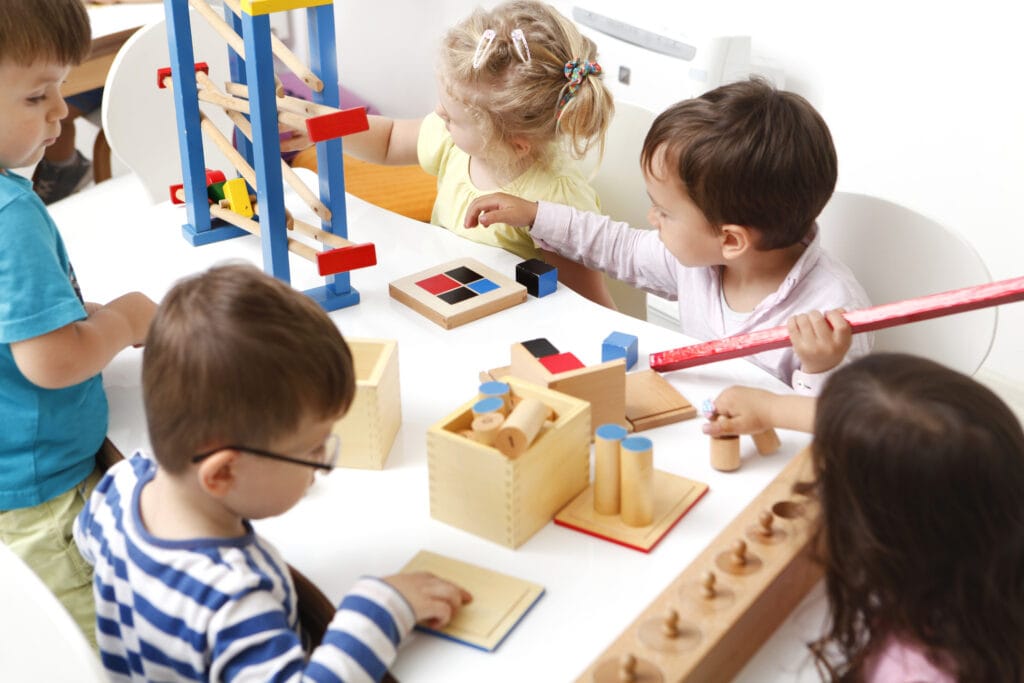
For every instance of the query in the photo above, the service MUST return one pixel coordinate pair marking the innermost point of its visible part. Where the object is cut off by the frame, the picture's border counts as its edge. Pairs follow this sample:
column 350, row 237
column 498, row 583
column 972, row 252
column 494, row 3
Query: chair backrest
column 39, row 641
column 138, row 118
column 899, row 254
column 620, row 185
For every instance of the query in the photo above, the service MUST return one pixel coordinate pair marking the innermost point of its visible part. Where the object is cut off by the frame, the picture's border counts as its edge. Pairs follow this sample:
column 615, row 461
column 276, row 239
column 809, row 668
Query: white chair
column 899, row 254
column 39, row 641
column 139, row 119
column 620, row 185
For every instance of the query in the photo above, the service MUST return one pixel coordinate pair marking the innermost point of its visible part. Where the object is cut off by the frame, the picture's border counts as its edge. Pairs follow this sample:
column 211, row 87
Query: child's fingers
column 479, row 207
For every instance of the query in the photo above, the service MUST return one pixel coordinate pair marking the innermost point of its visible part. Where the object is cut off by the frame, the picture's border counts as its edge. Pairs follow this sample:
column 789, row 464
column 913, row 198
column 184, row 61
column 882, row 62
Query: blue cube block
column 539, row 278
column 620, row 345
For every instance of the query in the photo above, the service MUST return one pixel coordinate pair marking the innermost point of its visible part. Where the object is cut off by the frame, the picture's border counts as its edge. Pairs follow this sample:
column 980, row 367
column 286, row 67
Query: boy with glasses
column 243, row 379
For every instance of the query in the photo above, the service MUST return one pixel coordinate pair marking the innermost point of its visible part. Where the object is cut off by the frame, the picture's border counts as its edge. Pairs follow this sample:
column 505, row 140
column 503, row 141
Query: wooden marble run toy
column 369, row 428
column 637, row 401
column 457, row 292
column 499, row 603
column 503, row 478
column 630, row 502
column 257, row 107
column 716, row 614
column 864, row 320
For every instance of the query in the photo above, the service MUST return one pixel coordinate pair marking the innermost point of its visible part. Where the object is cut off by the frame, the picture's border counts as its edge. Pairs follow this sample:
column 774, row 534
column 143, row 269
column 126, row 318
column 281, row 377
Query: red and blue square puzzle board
column 457, row 292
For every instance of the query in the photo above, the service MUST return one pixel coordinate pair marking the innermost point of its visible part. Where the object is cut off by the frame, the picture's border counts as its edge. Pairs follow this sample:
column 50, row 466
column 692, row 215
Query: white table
column 356, row 522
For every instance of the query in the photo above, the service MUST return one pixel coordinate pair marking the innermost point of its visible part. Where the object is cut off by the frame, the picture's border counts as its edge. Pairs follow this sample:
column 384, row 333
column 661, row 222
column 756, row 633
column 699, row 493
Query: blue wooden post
column 236, row 67
column 259, row 71
column 337, row 292
column 198, row 230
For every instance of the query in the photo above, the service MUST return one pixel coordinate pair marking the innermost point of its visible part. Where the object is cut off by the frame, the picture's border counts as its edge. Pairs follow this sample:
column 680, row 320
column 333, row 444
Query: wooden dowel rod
column 864, row 320
column 285, row 103
column 289, row 174
column 229, row 103
column 287, row 57
column 328, row 238
column 304, row 250
column 220, row 26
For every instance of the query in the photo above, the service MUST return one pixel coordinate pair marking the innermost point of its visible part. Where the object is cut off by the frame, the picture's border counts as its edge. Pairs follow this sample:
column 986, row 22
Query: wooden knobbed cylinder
column 767, row 442
column 725, row 453
column 521, row 427
column 637, row 481
column 607, row 440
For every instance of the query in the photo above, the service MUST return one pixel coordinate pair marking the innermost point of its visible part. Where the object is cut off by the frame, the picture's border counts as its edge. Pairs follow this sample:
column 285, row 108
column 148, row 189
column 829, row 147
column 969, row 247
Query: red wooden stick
column 864, row 320
column 337, row 124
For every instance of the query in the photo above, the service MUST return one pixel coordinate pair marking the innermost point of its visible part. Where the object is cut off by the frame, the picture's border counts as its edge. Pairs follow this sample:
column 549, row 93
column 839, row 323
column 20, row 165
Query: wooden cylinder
column 767, row 442
column 485, row 427
column 607, row 440
column 521, row 427
column 499, row 389
column 725, row 453
column 492, row 404
column 636, row 471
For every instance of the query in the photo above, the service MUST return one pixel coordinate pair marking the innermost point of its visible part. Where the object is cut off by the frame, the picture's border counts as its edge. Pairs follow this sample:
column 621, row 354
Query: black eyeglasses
column 329, row 450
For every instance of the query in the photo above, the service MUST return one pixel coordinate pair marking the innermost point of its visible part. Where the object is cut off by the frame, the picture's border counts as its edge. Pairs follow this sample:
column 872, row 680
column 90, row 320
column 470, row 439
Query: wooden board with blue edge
column 457, row 292
column 499, row 601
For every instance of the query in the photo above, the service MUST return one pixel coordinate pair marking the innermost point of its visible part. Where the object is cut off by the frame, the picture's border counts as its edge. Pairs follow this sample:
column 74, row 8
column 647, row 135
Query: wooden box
column 368, row 429
column 477, row 488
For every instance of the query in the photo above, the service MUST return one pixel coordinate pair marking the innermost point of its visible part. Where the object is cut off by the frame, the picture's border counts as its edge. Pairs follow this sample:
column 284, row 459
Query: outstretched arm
column 388, row 141
column 745, row 410
column 74, row 353
column 501, row 208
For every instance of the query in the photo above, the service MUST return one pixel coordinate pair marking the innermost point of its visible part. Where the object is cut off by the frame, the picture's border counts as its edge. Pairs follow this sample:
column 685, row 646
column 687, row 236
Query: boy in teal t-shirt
column 53, row 344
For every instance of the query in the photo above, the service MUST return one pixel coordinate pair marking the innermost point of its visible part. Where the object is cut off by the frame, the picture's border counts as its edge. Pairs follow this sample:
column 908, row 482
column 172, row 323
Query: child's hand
column 434, row 600
column 820, row 341
column 500, row 208
column 741, row 410
column 138, row 311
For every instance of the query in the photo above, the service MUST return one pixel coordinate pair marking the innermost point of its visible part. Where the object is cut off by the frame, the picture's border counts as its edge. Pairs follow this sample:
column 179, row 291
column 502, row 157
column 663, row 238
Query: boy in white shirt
column 736, row 178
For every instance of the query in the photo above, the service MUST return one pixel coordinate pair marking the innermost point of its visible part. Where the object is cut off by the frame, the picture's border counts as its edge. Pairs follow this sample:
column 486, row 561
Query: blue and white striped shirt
column 217, row 609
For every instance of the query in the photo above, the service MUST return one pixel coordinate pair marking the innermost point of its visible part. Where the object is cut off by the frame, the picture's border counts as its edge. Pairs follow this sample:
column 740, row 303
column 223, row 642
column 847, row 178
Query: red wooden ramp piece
column 864, row 320
column 344, row 259
column 337, row 124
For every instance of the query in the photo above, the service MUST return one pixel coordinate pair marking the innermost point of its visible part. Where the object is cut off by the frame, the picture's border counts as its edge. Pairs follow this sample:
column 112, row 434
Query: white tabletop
column 357, row 522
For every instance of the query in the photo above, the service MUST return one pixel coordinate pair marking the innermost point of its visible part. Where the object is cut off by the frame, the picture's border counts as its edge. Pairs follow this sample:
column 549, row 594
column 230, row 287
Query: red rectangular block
column 561, row 362
column 337, row 124
column 344, row 259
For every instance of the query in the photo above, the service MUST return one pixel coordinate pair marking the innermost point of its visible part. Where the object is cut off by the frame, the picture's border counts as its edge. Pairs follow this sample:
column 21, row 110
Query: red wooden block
column 561, row 362
column 438, row 284
column 337, row 124
column 864, row 320
column 164, row 72
column 344, row 259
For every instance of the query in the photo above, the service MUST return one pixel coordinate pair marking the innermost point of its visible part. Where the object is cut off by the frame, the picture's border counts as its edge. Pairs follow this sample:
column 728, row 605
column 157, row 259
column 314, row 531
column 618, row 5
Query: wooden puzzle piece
column 457, row 292
column 499, row 601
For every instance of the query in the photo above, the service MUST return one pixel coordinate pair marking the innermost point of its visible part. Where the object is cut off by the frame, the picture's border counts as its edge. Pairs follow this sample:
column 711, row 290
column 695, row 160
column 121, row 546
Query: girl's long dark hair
column 920, row 474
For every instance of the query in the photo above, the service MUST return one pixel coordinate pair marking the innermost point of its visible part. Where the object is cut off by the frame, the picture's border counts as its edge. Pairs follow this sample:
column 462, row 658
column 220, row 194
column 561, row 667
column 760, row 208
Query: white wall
column 923, row 99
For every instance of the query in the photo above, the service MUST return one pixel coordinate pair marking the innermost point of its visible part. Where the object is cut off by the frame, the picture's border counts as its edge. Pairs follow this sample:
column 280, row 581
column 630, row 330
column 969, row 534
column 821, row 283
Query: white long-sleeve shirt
column 217, row 609
column 638, row 257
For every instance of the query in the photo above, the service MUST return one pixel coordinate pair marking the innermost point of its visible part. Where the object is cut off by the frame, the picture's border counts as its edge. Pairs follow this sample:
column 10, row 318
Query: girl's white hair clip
column 482, row 46
column 520, row 46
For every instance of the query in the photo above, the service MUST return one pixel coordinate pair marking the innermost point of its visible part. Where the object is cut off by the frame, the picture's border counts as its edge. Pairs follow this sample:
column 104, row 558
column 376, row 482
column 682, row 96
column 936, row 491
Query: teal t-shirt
column 48, row 437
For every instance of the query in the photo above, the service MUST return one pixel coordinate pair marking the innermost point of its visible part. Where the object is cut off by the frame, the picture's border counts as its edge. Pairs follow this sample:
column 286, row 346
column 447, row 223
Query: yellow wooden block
column 368, row 430
column 499, row 601
column 506, row 500
column 237, row 194
column 257, row 7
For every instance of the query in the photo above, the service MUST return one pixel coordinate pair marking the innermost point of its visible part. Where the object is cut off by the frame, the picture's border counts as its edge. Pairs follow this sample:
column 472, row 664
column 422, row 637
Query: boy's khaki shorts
column 42, row 537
